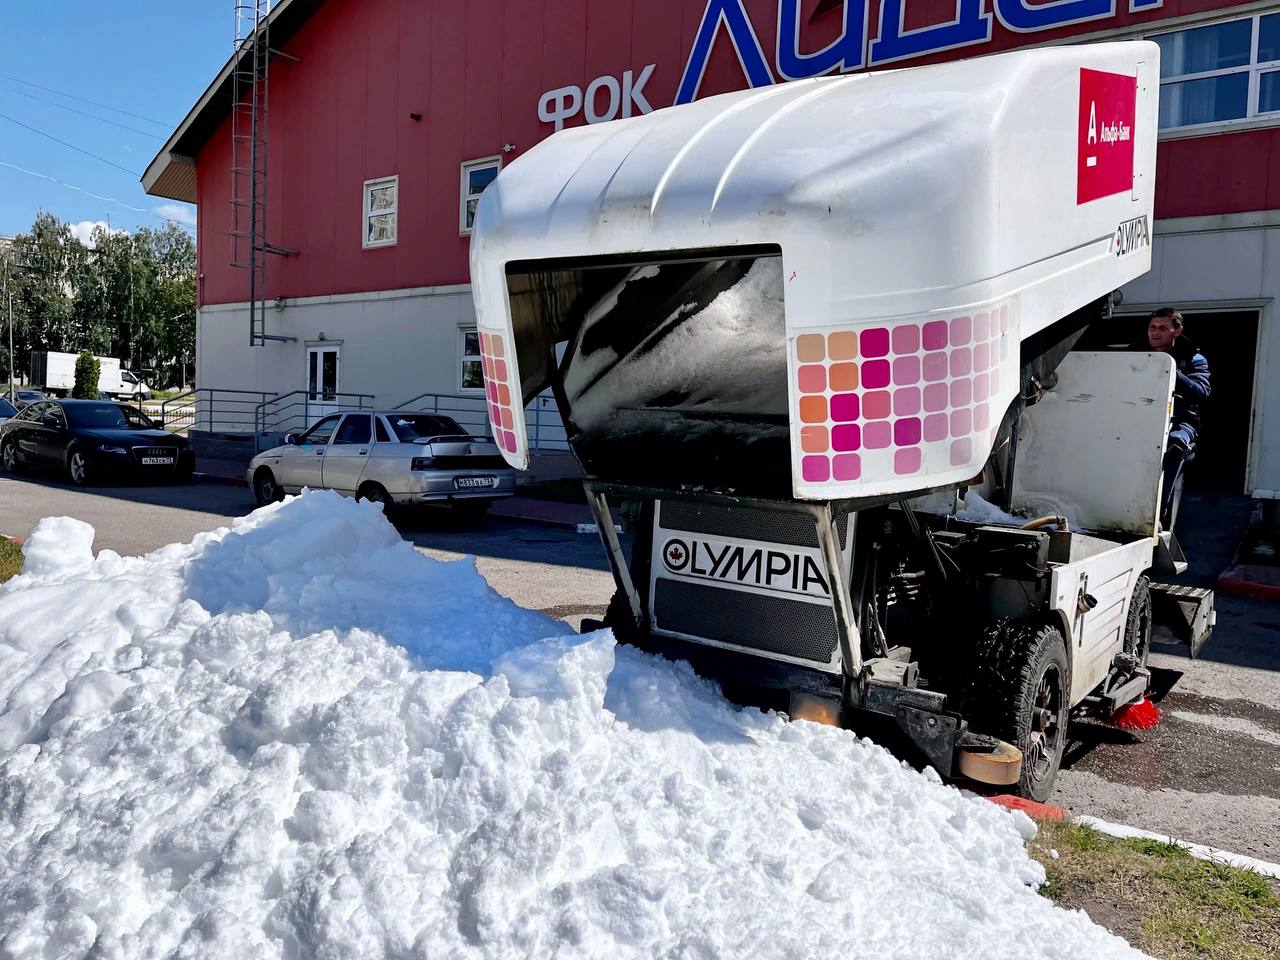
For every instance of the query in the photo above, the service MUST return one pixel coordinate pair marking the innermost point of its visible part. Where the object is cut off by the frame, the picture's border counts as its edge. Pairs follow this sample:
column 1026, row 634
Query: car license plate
column 466, row 483
column 157, row 461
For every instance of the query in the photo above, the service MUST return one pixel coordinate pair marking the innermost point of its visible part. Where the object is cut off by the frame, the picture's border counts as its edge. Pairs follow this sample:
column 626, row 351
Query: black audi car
column 93, row 441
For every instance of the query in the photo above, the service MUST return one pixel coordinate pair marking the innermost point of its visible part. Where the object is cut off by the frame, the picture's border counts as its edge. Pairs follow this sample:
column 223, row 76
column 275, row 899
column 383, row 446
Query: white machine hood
column 913, row 208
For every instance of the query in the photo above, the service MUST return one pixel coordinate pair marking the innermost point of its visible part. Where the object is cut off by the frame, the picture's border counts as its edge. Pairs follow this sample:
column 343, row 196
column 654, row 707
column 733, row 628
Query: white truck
column 55, row 374
column 792, row 330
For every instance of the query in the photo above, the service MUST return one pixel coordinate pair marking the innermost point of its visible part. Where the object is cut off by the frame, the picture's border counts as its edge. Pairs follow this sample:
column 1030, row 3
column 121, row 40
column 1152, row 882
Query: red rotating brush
column 1139, row 715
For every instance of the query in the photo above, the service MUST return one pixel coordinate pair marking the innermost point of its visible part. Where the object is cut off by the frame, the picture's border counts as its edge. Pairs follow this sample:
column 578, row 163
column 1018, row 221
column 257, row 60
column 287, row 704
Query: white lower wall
column 400, row 343
column 394, row 344
column 1229, row 262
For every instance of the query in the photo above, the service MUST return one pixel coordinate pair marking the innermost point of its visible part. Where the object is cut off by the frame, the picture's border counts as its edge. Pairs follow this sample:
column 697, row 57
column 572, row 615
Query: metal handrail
column 544, row 426
column 306, row 398
column 212, row 407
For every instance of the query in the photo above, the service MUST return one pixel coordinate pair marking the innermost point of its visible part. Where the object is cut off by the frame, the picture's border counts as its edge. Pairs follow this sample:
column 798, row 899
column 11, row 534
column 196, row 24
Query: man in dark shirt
column 1165, row 335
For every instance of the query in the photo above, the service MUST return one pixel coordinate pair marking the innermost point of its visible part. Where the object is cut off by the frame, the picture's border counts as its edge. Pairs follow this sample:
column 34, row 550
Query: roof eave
column 172, row 176
column 160, row 179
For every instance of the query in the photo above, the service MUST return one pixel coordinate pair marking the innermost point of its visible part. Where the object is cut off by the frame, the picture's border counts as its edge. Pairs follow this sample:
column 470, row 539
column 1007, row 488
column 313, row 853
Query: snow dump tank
column 825, row 289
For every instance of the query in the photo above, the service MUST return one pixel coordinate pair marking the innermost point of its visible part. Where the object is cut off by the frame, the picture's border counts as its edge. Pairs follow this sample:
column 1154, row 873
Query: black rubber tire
column 617, row 617
column 1014, row 659
column 1137, row 625
column 265, row 488
column 79, row 471
column 376, row 493
column 9, row 458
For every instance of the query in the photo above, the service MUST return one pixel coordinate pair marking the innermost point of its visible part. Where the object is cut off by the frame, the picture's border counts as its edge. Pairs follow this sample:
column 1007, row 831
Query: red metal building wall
column 475, row 72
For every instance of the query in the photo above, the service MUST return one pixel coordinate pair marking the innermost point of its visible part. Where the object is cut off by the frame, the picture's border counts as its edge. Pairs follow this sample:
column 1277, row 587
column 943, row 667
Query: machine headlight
column 107, row 448
column 421, row 463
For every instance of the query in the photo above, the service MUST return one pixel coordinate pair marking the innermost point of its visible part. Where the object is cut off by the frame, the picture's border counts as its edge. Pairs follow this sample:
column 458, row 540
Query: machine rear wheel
column 1137, row 627
column 1020, row 693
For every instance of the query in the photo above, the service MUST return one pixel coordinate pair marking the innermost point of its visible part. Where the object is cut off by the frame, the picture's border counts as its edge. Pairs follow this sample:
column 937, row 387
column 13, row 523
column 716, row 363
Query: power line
column 72, row 146
column 63, row 106
column 97, row 196
column 72, row 96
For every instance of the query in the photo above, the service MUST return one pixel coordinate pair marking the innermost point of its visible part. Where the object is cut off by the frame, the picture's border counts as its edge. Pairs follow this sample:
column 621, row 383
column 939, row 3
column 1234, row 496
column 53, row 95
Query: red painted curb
column 1240, row 587
column 1036, row 811
column 18, row 540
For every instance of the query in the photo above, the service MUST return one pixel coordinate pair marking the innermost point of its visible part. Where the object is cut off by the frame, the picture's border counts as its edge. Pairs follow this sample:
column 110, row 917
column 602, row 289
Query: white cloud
column 177, row 211
column 83, row 231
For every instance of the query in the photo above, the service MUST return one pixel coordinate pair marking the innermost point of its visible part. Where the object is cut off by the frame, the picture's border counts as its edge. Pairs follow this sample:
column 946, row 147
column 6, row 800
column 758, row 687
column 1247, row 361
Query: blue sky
column 151, row 58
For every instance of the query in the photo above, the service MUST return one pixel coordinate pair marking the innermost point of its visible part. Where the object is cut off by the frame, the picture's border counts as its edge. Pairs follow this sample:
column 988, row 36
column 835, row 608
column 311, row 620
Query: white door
column 322, row 382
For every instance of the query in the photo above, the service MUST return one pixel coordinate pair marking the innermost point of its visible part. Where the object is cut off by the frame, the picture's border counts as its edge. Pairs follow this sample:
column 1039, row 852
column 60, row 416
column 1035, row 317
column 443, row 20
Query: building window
column 476, row 175
column 472, row 374
column 380, row 201
column 1220, row 72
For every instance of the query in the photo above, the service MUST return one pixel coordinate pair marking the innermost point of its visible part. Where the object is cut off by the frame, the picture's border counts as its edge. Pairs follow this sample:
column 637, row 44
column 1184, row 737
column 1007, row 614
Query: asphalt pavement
column 1209, row 773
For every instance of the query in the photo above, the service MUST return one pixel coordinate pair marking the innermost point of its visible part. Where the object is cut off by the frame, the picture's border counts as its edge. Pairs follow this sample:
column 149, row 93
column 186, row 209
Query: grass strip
column 1158, row 897
column 10, row 559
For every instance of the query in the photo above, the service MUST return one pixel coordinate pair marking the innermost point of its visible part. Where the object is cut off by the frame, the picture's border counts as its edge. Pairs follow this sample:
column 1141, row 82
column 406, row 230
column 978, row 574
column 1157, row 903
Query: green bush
column 87, row 370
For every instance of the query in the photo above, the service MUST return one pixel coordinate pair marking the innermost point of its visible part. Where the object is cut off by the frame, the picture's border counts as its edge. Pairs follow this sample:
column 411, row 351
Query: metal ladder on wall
column 249, row 82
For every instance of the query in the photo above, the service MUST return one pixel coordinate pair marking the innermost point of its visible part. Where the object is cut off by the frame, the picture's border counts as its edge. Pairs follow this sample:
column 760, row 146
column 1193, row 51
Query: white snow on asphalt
column 299, row 737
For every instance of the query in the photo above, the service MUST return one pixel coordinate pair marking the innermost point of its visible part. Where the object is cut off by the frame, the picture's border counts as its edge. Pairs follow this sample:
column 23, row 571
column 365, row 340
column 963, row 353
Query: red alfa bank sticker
column 1104, row 162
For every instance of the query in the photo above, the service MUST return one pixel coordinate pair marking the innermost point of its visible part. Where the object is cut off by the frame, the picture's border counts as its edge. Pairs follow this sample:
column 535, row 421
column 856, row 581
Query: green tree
column 53, row 262
column 87, row 371
column 166, row 333
column 123, row 295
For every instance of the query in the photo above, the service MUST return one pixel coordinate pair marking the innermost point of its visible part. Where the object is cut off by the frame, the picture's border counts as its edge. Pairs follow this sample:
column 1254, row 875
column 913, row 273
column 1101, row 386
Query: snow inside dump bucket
column 299, row 737
column 652, row 360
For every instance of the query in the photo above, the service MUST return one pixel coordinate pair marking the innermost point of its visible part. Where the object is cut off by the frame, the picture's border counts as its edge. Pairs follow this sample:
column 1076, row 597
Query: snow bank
column 301, row 738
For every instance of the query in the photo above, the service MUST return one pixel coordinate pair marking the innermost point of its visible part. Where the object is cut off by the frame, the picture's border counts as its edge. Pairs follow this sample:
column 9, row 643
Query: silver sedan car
column 393, row 457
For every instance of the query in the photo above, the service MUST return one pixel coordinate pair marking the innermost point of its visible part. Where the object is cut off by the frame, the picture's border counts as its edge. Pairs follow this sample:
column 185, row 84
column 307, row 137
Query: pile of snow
column 301, row 738
column 977, row 509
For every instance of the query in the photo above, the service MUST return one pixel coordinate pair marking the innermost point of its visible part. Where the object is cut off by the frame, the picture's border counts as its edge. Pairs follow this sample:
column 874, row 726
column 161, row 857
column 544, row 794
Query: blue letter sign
column 843, row 53
column 1024, row 17
column 970, row 26
column 735, row 20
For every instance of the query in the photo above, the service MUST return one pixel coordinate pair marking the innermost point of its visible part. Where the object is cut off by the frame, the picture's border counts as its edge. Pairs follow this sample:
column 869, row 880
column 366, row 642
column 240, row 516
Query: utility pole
column 132, row 363
column 8, row 290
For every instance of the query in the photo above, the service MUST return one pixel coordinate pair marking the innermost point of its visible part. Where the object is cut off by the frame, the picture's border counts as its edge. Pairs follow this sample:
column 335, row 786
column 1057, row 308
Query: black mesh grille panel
column 739, row 523
column 777, row 625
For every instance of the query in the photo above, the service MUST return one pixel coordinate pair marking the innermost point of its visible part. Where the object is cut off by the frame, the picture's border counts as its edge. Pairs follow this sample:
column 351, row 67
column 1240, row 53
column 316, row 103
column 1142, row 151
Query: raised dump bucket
column 824, row 290
column 650, row 361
